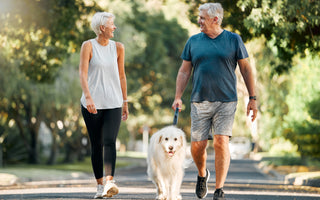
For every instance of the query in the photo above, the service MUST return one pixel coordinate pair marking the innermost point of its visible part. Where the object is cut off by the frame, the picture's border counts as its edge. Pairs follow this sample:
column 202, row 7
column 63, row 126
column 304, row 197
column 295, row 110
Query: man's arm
column 181, row 83
column 248, row 78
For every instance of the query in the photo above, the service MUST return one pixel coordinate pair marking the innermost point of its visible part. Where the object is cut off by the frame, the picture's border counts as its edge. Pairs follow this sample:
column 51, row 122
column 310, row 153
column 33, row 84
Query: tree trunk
column 69, row 155
column 53, row 152
column 304, row 159
column 33, row 153
column 1, row 157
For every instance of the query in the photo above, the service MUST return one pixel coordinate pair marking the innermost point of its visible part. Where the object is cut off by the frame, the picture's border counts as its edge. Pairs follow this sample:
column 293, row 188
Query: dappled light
column 39, row 80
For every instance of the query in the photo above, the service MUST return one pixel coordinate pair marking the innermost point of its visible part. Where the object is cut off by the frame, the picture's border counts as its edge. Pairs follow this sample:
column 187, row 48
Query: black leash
column 175, row 118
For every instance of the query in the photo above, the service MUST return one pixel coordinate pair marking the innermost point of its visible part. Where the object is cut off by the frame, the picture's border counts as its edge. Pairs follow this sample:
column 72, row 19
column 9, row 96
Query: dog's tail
column 187, row 163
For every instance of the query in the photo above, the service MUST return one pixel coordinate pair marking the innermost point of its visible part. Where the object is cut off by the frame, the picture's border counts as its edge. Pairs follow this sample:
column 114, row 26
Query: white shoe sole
column 112, row 191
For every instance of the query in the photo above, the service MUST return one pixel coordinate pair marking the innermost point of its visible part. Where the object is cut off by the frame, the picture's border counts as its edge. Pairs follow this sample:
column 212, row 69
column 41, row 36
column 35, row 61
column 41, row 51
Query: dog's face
column 171, row 143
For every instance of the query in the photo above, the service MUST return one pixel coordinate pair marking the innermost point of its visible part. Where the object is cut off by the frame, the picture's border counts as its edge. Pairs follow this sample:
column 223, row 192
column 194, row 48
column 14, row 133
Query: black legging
column 103, row 129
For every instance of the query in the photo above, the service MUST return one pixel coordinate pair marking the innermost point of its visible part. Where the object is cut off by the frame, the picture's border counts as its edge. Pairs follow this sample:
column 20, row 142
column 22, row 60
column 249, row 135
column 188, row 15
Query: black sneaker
column 202, row 188
column 219, row 195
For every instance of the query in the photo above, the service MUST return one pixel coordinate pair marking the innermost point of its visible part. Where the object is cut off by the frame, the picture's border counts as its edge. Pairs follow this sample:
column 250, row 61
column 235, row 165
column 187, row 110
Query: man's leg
column 201, row 122
column 222, row 158
column 199, row 155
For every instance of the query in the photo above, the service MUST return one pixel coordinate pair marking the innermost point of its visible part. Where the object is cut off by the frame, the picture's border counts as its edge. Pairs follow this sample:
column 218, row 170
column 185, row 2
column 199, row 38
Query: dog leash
column 175, row 118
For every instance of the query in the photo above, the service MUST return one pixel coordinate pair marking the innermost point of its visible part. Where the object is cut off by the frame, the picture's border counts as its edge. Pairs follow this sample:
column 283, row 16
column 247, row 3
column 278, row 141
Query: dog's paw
column 179, row 197
column 161, row 197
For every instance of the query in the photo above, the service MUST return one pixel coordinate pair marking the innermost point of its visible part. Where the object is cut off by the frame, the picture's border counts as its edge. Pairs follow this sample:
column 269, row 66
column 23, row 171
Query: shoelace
column 202, row 183
column 110, row 181
column 218, row 193
column 100, row 187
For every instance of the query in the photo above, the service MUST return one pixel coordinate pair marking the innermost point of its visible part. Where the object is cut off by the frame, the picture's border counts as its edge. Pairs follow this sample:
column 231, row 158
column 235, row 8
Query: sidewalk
column 48, row 177
column 305, row 178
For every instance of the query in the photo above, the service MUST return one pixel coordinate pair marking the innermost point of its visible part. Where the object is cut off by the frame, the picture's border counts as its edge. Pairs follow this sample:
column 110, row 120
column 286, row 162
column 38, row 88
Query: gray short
column 207, row 116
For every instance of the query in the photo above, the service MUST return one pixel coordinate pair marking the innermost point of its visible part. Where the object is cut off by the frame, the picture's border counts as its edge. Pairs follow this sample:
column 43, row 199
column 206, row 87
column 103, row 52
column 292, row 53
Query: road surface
column 245, row 181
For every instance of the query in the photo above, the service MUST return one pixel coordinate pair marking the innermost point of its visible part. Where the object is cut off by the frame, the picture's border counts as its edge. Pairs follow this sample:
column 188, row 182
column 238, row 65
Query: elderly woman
column 104, row 98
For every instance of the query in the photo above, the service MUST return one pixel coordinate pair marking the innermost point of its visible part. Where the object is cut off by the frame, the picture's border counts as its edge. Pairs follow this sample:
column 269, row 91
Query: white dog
column 166, row 159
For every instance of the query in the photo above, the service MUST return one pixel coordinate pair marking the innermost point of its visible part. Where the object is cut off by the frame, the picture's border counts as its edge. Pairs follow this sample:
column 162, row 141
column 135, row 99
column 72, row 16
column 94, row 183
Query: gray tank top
column 103, row 77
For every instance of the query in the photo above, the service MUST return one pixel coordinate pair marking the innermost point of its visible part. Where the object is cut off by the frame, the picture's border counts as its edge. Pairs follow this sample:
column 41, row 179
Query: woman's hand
column 90, row 106
column 125, row 111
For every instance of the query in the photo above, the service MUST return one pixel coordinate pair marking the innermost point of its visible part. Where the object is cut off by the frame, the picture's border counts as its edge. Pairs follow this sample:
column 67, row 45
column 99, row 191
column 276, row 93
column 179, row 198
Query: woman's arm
column 123, row 79
column 85, row 56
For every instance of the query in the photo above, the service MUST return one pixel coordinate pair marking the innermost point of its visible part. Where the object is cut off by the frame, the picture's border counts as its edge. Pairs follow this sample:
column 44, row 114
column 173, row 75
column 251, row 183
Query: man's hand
column 252, row 106
column 177, row 103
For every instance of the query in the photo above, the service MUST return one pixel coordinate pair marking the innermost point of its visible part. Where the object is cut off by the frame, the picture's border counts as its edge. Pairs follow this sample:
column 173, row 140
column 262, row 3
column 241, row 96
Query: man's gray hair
column 98, row 19
column 213, row 10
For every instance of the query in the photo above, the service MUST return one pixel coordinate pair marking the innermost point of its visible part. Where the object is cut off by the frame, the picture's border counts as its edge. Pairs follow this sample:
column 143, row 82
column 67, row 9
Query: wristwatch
column 253, row 97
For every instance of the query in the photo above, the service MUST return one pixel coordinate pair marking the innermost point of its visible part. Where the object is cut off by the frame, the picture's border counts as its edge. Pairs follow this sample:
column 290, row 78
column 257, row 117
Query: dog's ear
column 160, row 138
column 182, row 140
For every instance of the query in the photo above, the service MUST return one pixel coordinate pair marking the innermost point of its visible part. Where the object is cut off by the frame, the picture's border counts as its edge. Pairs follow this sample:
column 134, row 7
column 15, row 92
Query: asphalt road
column 245, row 181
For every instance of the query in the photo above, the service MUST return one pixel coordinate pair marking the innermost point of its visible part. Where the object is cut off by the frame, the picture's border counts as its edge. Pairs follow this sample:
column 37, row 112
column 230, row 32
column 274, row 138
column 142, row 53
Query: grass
column 286, row 164
column 83, row 166
column 282, row 160
column 36, row 172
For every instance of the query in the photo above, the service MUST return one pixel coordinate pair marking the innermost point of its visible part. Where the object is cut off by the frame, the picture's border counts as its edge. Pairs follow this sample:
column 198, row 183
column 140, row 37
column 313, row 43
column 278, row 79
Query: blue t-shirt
column 214, row 62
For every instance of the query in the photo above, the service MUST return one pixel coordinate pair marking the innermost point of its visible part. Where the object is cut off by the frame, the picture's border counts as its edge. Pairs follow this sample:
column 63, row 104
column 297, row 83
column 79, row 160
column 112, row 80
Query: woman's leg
column 111, row 125
column 94, row 124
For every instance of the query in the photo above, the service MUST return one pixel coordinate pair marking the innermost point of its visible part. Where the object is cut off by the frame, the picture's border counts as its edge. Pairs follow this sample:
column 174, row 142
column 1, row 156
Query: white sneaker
column 99, row 192
column 110, row 189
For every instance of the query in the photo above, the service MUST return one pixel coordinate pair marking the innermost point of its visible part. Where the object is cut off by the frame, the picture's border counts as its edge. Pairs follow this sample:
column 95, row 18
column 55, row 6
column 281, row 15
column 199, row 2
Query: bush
column 306, row 134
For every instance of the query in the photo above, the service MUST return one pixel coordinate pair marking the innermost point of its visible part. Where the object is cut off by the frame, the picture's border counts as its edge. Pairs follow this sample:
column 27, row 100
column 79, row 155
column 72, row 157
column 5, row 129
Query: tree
column 62, row 113
column 12, row 146
column 152, row 72
column 36, row 37
column 306, row 133
column 302, row 122
column 18, row 101
column 40, row 34
column 290, row 26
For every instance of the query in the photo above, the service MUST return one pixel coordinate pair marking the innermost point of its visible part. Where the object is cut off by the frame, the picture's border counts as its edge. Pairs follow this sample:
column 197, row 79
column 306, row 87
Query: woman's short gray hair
column 98, row 19
column 213, row 10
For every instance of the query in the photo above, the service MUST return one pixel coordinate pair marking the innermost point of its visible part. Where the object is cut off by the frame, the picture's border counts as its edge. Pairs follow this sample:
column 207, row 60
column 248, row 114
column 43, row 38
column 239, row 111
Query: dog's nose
column 170, row 147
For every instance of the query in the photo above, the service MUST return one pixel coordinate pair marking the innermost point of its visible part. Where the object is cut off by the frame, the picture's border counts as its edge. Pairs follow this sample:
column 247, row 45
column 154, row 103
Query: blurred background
column 40, row 118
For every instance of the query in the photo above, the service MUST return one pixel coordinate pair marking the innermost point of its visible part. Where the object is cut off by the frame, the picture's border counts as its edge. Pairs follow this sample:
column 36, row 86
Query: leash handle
column 176, row 115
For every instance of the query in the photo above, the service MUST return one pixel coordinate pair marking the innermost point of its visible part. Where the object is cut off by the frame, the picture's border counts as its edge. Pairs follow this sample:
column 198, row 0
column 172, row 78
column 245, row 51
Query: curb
column 268, row 170
column 303, row 179
column 298, row 179
column 8, row 179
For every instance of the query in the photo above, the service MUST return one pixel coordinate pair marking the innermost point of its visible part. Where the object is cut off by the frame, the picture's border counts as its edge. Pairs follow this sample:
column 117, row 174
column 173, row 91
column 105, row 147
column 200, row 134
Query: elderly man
column 213, row 56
